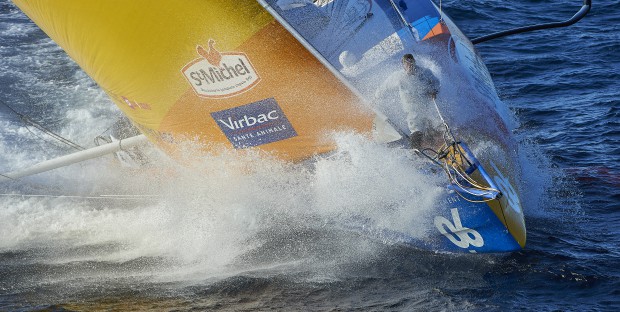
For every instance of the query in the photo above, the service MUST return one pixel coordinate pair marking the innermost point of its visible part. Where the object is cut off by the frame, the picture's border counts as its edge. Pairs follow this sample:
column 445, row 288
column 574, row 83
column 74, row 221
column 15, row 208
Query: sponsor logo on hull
column 219, row 75
column 254, row 124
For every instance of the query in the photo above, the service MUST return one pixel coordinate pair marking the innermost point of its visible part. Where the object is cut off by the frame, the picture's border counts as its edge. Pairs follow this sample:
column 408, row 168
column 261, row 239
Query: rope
column 451, row 159
column 84, row 197
column 454, row 170
column 440, row 14
column 445, row 124
column 55, row 136
column 102, row 138
column 6, row 177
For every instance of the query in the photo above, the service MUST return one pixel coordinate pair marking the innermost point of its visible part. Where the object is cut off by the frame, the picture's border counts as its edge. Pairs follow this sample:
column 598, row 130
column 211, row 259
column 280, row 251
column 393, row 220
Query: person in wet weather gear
column 417, row 89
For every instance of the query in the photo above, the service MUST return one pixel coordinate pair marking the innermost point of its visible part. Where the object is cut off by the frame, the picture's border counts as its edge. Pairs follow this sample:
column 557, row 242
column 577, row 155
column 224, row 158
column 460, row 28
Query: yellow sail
column 221, row 72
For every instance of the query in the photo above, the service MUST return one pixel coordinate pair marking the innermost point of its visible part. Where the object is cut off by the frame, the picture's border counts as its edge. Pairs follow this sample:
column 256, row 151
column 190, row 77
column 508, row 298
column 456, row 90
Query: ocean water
column 102, row 237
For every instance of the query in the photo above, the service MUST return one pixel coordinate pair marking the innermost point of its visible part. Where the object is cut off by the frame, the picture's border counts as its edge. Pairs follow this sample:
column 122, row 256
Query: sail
column 222, row 73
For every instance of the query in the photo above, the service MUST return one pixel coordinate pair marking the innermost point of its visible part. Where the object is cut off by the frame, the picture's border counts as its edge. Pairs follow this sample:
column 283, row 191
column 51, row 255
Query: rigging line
column 440, row 14
column 101, row 137
column 28, row 121
column 474, row 185
column 452, row 165
column 84, row 197
column 445, row 124
column 6, row 177
column 30, row 131
column 488, row 191
column 473, row 182
column 473, row 200
column 465, row 189
column 31, row 122
column 58, row 137
column 402, row 18
column 106, row 130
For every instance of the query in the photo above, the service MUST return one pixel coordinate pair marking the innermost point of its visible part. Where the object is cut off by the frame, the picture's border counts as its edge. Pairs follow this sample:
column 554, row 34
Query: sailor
column 417, row 89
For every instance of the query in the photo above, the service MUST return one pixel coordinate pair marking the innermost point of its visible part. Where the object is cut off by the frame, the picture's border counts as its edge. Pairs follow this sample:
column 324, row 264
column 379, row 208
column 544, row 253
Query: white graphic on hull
column 458, row 234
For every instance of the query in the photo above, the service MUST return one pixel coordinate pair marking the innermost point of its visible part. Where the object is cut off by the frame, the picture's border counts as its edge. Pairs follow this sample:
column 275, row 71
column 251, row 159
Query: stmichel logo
column 254, row 124
column 220, row 74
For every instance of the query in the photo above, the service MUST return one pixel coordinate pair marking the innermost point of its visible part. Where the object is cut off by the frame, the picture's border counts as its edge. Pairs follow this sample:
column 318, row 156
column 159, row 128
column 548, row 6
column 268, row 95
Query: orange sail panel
column 222, row 72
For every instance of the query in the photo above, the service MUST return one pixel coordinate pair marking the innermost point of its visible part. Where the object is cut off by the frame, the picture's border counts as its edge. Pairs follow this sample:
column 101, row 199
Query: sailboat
column 280, row 76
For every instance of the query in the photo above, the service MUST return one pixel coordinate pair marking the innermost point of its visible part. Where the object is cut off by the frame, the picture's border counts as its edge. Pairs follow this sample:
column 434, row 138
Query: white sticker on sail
column 220, row 75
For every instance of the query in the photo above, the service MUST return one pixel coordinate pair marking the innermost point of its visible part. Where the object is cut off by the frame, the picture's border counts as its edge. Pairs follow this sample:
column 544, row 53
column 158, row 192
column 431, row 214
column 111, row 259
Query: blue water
column 80, row 253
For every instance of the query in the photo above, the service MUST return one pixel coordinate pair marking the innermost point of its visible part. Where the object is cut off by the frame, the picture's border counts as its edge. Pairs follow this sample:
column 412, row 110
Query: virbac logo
column 248, row 121
column 254, row 124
